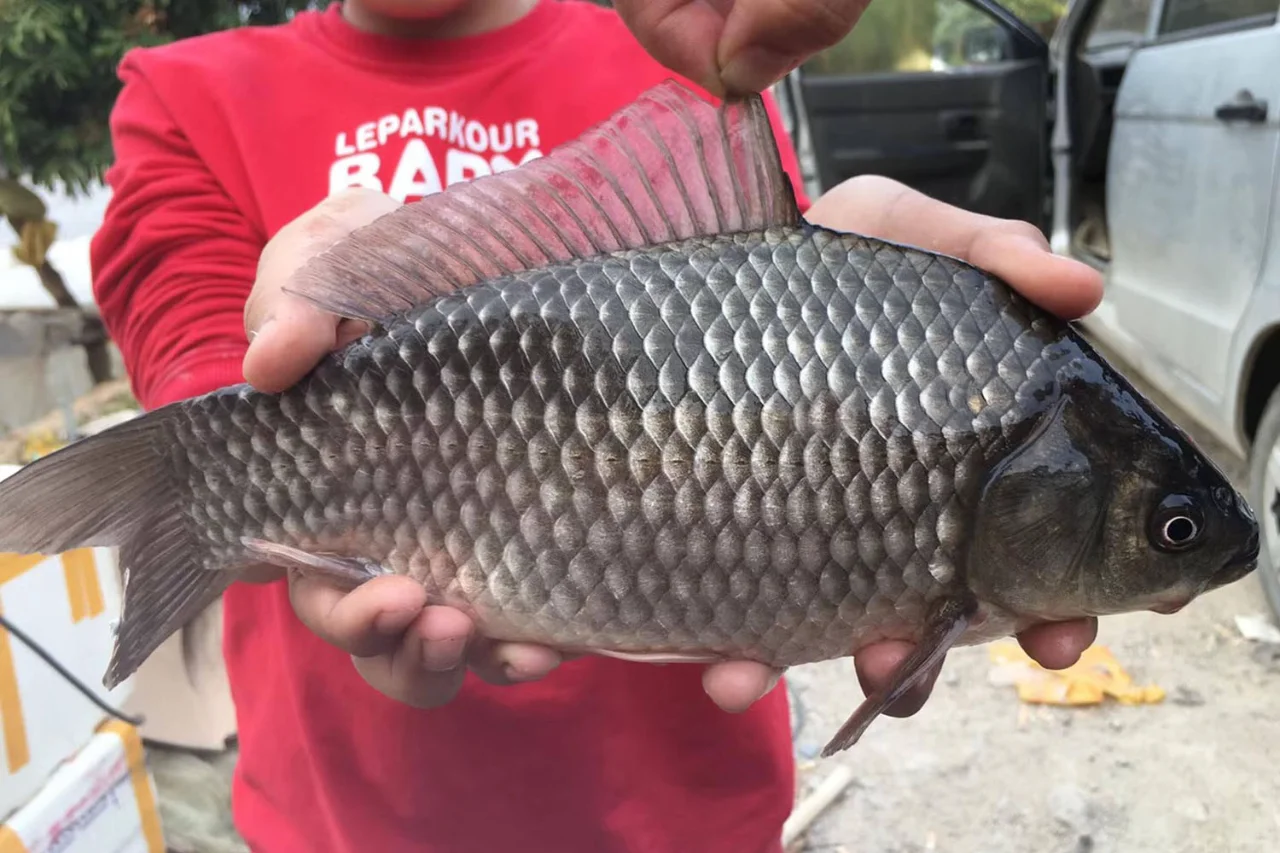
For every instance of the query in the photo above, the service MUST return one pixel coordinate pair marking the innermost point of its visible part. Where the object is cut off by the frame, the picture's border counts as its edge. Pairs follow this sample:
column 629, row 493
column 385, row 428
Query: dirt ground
column 977, row 771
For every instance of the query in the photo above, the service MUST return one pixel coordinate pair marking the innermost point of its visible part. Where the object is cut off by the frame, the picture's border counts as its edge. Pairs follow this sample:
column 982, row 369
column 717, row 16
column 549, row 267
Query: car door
column 946, row 96
column 1190, row 190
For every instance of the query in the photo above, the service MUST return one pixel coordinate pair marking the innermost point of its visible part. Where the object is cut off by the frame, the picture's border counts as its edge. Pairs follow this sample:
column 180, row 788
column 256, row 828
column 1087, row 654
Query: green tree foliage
column 908, row 35
column 58, row 83
column 57, row 73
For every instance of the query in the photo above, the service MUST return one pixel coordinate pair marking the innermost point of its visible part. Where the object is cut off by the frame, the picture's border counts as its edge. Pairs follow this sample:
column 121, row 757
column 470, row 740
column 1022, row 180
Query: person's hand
column 737, row 47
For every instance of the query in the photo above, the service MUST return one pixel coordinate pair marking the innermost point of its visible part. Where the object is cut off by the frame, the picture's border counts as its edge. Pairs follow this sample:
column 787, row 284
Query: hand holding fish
column 414, row 653
column 738, row 46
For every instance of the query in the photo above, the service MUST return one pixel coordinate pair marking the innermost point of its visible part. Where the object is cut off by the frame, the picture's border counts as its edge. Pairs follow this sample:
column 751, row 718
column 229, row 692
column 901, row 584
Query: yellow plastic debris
column 41, row 444
column 1088, row 682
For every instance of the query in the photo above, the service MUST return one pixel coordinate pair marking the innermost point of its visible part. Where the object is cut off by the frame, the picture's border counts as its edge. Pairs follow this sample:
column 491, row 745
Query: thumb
column 287, row 334
column 292, row 340
column 764, row 40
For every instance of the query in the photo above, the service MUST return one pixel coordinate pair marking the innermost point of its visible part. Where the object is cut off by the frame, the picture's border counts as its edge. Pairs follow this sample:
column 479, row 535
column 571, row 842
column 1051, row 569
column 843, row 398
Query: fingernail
column 756, row 69
column 253, row 333
column 773, row 682
column 390, row 622
column 442, row 655
column 514, row 672
column 768, row 687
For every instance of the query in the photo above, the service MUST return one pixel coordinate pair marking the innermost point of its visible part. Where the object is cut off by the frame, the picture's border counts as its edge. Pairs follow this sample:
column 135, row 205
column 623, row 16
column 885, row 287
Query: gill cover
column 1042, row 514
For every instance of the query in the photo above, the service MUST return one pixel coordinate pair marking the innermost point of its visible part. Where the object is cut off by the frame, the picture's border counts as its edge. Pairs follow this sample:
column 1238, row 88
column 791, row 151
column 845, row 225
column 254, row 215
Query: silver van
column 1140, row 135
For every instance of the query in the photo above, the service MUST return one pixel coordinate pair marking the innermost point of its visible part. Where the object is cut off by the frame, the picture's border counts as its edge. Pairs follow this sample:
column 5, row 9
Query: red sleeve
column 174, row 259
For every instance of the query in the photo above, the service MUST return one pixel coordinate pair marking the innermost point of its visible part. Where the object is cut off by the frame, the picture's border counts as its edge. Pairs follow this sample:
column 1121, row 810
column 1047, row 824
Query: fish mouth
column 1171, row 607
column 1242, row 563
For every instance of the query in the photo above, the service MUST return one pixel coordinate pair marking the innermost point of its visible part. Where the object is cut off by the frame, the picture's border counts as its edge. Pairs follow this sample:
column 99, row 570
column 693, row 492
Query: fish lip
column 1247, row 557
column 1240, row 565
column 1170, row 608
column 1236, row 569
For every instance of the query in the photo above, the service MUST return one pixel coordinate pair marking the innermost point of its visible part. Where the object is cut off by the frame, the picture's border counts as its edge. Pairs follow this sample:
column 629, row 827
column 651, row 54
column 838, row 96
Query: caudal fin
column 120, row 488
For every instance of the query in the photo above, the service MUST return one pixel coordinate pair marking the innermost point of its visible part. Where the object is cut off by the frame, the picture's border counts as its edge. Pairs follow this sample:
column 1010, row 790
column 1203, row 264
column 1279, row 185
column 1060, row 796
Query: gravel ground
column 977, row 771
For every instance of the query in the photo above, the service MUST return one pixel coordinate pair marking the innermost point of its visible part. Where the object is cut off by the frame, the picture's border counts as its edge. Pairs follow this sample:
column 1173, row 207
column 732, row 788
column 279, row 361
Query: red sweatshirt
column 222, row 140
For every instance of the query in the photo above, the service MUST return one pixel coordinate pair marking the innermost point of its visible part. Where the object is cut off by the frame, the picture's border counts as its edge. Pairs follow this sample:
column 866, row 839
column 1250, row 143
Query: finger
column 366, row 621
column 504, row 664
column 737, row 685
column 442, row 634
column 1014, row 251
column 1058, row 645
column 403, row 677
column 763, row 40
column 261, row 575
column 876, row 666
column 680, row 34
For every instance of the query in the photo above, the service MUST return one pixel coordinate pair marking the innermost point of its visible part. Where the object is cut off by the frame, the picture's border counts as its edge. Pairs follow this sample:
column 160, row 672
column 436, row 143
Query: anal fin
column 348, row 571
column 947, row 624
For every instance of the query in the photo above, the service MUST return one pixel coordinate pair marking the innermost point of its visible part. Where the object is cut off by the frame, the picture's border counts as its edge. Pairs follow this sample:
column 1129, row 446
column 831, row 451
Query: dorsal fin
column 670, row 166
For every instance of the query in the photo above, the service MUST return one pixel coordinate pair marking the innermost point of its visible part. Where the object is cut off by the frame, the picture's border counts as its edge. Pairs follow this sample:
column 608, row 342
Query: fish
column 625, row 400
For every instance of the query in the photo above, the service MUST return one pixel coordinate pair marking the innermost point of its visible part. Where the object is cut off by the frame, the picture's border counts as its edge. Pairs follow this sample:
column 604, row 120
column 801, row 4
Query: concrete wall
column 40, row 368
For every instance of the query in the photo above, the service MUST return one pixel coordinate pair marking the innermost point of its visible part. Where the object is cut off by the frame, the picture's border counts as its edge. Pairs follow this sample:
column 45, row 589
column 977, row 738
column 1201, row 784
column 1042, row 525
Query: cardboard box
column 65, row 603
column 101, row 801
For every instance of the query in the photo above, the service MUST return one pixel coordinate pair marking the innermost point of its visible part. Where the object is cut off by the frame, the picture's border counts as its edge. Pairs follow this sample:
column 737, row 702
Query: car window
column 929, row 35
column 1118, row 22
column 1183, row 15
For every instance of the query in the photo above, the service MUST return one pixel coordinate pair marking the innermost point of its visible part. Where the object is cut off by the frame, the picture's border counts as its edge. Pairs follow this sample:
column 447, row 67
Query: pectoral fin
column 948, row 623
column 349, row 571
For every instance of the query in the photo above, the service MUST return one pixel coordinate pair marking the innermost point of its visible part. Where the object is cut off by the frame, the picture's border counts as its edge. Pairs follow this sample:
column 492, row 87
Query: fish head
column 1103, row 505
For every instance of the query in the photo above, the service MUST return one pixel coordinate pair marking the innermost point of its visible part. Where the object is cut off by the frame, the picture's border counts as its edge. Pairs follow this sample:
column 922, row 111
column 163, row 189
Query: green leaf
column 58, row 78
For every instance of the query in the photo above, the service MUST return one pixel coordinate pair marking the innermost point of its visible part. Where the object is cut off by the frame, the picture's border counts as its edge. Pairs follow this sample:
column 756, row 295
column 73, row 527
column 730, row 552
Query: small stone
column 1068, row 805
column 1267, row 655
column 950, row 677
column 1187, row 697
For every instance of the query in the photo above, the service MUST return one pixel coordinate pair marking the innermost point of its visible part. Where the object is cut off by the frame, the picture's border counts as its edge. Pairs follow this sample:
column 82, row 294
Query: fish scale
column 567, row 504
column 666, row 419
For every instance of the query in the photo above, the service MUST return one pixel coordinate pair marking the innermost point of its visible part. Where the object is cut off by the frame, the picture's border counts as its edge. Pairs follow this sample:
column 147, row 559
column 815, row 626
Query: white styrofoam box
column 189, row 710
column 66, row 603
column 101, row 801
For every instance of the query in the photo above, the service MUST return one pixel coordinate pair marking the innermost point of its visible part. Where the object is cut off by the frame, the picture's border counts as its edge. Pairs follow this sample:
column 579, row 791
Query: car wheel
column 1264, row 494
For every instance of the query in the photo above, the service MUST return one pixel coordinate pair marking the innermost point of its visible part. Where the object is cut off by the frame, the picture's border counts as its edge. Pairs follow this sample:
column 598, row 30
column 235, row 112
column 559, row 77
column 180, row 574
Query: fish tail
column 121, row 488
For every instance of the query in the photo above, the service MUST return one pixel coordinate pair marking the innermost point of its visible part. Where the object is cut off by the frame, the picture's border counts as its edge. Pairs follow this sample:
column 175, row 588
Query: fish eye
column 1176, row 524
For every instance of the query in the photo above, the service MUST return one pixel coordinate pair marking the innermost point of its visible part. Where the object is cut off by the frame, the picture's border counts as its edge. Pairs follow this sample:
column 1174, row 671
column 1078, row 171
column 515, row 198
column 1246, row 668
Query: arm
column 175, row 257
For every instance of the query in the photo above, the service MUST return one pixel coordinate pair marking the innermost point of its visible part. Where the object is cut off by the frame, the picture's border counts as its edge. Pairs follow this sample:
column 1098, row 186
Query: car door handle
column 1244, row 108
column 961, row 125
